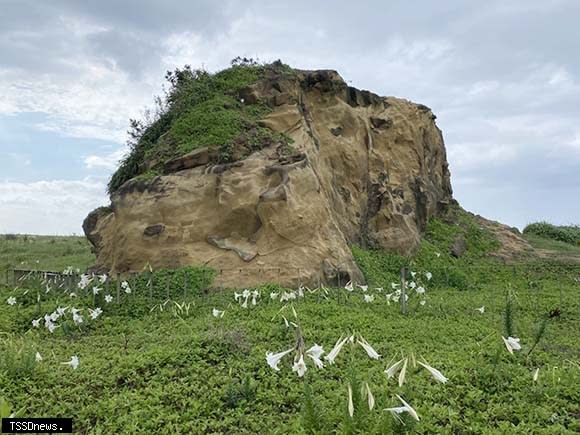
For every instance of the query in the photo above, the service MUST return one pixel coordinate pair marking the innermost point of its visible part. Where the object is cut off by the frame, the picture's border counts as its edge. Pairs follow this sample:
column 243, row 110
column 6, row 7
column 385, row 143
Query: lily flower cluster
column 73, row 362
column 416, row 284
column 401, row 367
column 85, row 281
column 77, row 318
column 244, row 297
column 290, row 295
column 70, row 271
column 368, row 297
column 315, row 353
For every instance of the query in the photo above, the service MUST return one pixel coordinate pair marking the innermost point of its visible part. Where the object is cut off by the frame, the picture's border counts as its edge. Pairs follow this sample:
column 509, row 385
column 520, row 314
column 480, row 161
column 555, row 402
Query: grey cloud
column 503, row 77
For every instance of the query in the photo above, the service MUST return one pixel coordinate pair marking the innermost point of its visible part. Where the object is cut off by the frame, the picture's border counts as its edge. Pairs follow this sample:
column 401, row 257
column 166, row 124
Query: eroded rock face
column 366, row 170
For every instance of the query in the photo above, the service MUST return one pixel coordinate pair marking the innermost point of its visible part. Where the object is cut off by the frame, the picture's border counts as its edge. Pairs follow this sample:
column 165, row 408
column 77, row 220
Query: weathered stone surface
column 243, row 248
column 381, row 122
column 337, row 131
column 197, row 157
column 458, row 246
column 153, row 230
column 294, row 218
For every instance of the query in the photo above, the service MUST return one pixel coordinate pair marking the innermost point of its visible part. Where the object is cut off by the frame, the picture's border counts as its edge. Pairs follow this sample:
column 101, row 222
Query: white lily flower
column 512, row 343
column 11, row 300
column 245, row 303
column 434, row 372
column 95, row 313
column 315, row 352
column 301, row 291
column 84, row 282
column 125, row 286
column 412, row 284
column 74, row 362
column 217, row 313
column 481, row 309
column 273, row 296
column 96, row 290
column 61, row 311
column 77, row 318
column 420, row 290
column 51, row 327
column 103, row 278
column 394, row 285
column 391, row 371
column 437, row 254
column 350, row 403
column 364, row 288
column 349, row 287
column 255, row 294
column 413, row 274
column 237, row 296
column 36, row 323
column 368, row 348
column 246, row 293
column 536, row 374
column 108, row 299
column 299, row 366
column 54, row 316
column 403, row 372
column 370, row 397
column 423, row 302
column 405, row 408
column 38, row 357
column 428, row 275
column 274, row 358
column 369, row 298
column 331, row 356
column 72, row 295
column 378, row 289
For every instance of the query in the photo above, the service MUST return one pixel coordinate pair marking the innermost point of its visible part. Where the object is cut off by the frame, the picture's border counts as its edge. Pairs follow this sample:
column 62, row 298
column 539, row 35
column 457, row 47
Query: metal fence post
column 185, row 286
column 150, row 283
column 403, row 291
column 167, row 286
column 118, row 287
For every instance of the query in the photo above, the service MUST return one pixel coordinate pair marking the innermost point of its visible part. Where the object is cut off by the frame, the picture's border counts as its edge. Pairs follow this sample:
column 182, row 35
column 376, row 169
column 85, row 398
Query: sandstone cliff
column 361, row 169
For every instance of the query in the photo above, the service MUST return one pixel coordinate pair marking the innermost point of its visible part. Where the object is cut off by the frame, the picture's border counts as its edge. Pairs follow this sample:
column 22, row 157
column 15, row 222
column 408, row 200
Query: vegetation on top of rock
column 200, row 109
column 567, row 234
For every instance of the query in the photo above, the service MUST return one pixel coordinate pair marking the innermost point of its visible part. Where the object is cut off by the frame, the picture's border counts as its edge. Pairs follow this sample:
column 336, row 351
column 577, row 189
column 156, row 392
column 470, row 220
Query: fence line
column 445, row 274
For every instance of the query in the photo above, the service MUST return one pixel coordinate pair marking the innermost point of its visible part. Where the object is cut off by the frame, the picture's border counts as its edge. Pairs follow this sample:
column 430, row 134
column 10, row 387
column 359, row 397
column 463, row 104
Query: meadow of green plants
column 169, row 359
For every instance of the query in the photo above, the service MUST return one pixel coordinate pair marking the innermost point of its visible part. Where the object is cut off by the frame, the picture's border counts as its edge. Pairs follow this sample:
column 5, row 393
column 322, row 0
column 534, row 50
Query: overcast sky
column 503, row 78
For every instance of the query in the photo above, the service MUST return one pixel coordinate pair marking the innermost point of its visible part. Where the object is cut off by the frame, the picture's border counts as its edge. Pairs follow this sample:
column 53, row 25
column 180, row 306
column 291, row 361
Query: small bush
column 16, row 361
column 567, row 234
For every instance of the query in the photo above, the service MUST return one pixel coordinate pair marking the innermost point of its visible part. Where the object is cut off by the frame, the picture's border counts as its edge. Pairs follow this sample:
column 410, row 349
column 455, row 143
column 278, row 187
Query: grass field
column 147, row 365
column 53, row 253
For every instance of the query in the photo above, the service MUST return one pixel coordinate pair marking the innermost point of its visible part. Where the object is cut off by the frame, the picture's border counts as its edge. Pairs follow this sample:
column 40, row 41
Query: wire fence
column 463, row 277
column 553, row 285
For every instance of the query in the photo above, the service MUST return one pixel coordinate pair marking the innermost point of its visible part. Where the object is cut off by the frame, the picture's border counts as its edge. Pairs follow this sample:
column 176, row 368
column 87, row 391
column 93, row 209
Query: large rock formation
column 364, row 170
